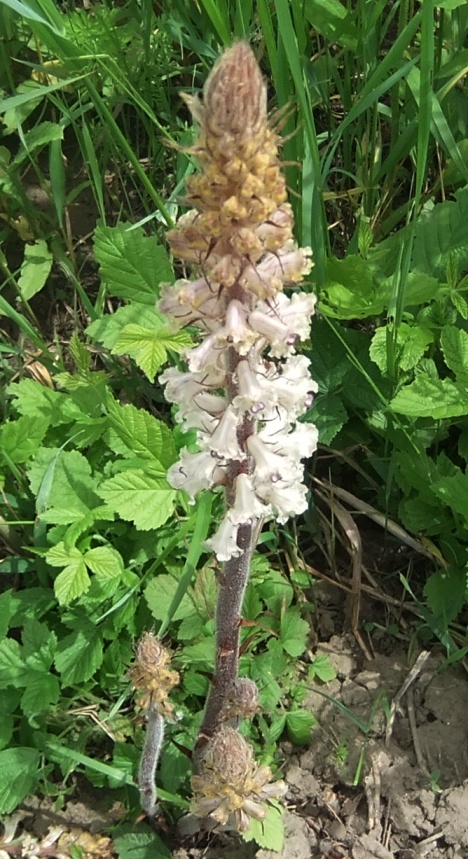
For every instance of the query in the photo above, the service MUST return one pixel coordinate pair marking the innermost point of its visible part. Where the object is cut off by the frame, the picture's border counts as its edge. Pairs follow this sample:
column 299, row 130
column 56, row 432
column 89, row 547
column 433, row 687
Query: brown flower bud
column 151, row 675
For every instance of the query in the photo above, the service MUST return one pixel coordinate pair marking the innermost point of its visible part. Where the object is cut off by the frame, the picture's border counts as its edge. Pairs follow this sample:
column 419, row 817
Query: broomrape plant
column 243, row 391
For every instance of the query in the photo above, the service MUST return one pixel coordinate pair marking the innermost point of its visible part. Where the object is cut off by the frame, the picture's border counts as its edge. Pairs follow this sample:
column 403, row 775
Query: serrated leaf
column 12, row 666
column 269, row 832
column 67, row 474
column 39, row 644
column 107, row 328
column 431, row 398
column 454, row 344
column 148, row 347
column 142, row 434
column 79, row 655
column 293, row 632
column 42, row 691
column 72, row 582
column 36, row 400
column 322, row 668
column 141, row 843
column 453, row 491
column 22, row 438
column 105, row 562
column 159, row 595
column 142, row 496
column 460, row 303
column 131, row 264
column 412, row 342
column 299, row 725
column 19, row 773
column 35, row 269
column 329, row 416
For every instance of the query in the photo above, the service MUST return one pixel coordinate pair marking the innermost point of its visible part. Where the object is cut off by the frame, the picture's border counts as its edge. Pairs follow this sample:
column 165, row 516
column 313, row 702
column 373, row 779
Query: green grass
column 373, row 112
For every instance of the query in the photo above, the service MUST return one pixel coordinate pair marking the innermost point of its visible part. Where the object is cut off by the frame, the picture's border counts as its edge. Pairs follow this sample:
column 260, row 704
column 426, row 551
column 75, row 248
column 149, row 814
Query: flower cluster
column 230, row 784
column 245, row 386
column 152, row 677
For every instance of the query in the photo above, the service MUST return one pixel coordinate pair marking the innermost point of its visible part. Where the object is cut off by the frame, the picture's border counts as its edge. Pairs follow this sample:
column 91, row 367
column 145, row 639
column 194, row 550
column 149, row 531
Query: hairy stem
column 233, row 583
column 149, row 761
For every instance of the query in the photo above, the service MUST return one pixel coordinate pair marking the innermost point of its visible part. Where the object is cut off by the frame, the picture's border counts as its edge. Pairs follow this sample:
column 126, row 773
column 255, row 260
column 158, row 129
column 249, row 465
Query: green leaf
column 445, row 594
column 6, row 611
column 431, row 398
column 148, row 347
column 19, row 774
column 67, row 474
column 74, row 580
column 105, row 562
column 299, row 725
column 37, row 400
column 322, row 669
column 35, row 268
column 12, row 666
column 293, row 632
column 269, row 832
column 38, row 137
column 175, row 768
column 141, row 842
column 142, row 434
column 22, row 438
column 7, row 723
column 142, row 496
column 333, row 21
column 441, row 234
column 39, row 644
column 107, row 328
column 329, row 416
column 42, row 691
column 131, row 264
column 453, row 491
column 159, row 595
column 411, row 344
column 454, row 344
column 79, row 654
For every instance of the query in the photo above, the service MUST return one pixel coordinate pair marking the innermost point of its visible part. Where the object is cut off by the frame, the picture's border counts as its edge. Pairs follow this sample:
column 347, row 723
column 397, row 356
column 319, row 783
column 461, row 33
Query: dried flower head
column 243, row 702
column 230, row 785
column 151, row 675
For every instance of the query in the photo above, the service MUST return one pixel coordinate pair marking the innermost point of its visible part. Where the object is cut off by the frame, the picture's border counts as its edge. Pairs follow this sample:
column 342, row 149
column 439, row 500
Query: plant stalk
column 233, row 582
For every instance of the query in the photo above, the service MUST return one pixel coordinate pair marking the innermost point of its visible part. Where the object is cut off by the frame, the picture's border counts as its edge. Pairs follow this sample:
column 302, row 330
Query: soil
column 399, row 791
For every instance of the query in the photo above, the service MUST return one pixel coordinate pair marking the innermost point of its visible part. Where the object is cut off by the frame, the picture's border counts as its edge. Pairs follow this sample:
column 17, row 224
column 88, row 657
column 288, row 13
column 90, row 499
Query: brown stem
column 233, row 582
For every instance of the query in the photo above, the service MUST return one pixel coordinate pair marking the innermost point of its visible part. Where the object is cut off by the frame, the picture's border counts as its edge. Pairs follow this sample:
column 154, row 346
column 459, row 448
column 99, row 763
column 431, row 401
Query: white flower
column 209, row 356
column 250, row 396
column 195, row 471
column 247, row 506
column 299, row 443
column 270, row 465
column 287, row 497
column 294, row 312
column 224, row 542
column 287, row 265
column 236, row 331
column 223, row 440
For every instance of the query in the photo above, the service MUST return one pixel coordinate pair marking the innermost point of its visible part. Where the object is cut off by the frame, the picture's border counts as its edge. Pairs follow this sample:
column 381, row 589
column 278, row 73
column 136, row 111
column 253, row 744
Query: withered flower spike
column 230, row 787
column 151, row 675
